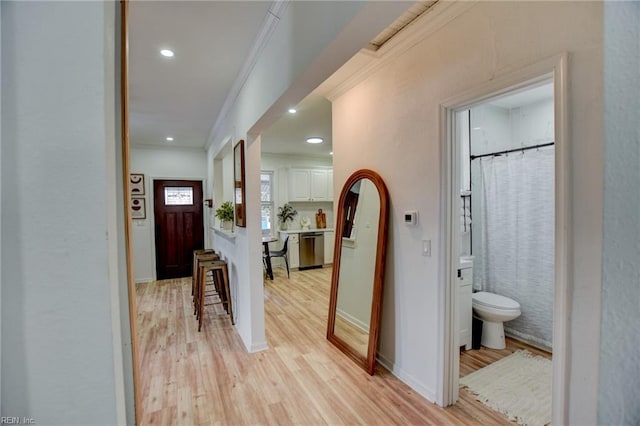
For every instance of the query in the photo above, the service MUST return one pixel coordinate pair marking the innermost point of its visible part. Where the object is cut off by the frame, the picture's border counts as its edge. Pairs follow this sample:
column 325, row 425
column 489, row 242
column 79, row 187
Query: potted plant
column 225, row 214
column 286, row 214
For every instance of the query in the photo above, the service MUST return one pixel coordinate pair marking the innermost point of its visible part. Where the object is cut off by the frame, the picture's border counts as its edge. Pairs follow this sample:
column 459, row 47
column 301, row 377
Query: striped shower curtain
column 513, row 236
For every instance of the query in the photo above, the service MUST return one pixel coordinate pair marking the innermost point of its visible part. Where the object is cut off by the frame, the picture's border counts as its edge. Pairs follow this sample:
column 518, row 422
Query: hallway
column 204, row 378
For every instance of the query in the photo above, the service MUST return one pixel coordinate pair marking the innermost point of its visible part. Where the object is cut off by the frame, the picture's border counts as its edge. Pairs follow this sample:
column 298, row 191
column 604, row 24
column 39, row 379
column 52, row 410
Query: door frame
column 130, row 317
column 555, row 69
column 152, row 218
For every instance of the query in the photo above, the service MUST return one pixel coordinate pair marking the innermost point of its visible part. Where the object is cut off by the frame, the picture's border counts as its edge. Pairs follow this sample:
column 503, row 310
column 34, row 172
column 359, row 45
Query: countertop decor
column 286, row 214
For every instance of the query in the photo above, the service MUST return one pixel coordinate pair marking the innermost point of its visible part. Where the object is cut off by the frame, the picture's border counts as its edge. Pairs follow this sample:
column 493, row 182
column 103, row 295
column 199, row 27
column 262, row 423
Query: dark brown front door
column 179, row 230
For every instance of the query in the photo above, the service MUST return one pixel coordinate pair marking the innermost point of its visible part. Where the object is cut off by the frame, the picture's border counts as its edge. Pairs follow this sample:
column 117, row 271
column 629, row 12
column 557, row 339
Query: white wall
column 61, row 342
column 279, row 165
column 620, row 354
column 1, row 209
column 235, row 250
column 157, row 163
column 309, row 43
column 532, row 124
column 224, row 178
column 490, row 129
column 495, row 128
column 390, row 123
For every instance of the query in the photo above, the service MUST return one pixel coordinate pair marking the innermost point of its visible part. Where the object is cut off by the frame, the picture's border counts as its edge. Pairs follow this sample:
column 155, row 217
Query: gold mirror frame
column 368, row 362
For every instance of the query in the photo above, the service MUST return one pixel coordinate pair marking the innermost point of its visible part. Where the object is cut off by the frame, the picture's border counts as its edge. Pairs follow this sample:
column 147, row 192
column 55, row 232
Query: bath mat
column 519, row 386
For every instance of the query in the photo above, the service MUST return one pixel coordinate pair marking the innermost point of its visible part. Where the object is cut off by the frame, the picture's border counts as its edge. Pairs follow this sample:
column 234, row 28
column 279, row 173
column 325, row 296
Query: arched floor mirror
column 358, row 267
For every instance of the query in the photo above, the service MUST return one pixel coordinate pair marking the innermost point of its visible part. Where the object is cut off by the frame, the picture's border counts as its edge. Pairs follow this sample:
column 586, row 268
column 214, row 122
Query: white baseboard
column 353, row 320
column 258, row 347
column 407, row 378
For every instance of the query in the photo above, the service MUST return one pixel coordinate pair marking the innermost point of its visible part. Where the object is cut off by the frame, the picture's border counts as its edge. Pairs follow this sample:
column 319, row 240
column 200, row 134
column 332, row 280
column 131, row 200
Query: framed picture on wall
column 238, row 184
column 136, row 184
column 138, row 208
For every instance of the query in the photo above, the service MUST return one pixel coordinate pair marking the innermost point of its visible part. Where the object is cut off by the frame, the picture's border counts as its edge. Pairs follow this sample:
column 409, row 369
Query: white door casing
column 554, row 69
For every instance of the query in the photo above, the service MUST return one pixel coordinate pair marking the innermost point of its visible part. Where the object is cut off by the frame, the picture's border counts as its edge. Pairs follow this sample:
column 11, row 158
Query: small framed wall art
column 136, row 184
column 138, row 208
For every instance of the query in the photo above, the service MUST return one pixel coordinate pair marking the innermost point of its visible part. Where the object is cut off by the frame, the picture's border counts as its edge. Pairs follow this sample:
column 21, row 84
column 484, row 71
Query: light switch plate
column 426, row 248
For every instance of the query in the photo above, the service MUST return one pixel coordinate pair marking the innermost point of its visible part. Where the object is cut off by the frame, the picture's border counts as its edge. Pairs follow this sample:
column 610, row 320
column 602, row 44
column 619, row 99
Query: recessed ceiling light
column 292, row 110
column 331, row 153
column 169, row 139
column 314, row 140
column 167, row 53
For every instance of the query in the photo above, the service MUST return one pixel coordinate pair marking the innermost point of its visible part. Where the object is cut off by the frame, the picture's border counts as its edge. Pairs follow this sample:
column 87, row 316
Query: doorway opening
column 506, row 245
column 297, row 176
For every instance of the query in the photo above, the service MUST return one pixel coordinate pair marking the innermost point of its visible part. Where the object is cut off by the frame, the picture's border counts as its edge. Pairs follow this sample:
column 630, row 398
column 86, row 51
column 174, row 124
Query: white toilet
column 494, row 310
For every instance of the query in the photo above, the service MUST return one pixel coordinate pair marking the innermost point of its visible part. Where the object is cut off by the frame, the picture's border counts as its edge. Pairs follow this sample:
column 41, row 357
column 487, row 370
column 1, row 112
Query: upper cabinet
column 299, row 185
column 310, row 185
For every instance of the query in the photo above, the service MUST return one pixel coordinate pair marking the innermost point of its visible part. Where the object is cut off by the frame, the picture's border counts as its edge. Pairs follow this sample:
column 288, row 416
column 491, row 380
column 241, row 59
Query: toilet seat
column 495, row 301
column 494, row 310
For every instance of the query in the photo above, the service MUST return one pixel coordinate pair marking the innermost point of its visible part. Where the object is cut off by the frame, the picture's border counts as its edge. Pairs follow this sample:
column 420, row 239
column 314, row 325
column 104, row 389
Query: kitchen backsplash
column 309, row 209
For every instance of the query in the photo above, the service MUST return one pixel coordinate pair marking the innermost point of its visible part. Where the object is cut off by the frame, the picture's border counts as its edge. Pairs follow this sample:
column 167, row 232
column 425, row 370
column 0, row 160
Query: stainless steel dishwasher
column 311, row 250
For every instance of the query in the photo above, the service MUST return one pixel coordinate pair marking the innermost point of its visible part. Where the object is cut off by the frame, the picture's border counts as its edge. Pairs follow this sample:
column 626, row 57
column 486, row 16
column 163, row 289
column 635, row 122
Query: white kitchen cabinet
column 318, row 185
column 465, row 314
column 299, row 185
column 293, row 248
column 329, row 240
column 310, row 185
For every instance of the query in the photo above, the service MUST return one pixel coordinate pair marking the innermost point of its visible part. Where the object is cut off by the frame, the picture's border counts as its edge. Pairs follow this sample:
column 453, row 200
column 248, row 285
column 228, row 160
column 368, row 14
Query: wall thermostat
column 411, row 217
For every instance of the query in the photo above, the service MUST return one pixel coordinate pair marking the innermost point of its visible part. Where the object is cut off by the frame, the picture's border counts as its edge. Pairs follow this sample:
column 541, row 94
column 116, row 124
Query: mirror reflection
column 355, row 302
column 357, row 265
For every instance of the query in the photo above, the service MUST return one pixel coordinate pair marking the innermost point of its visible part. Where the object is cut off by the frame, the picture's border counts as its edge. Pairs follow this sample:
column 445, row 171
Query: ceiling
column 181, row 97
column 527, row 96
column 288, row 135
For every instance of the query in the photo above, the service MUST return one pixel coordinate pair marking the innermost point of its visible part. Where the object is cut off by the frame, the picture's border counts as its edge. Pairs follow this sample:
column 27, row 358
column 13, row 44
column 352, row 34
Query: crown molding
column 168, row 147
column 428, row 23
column 269, row 24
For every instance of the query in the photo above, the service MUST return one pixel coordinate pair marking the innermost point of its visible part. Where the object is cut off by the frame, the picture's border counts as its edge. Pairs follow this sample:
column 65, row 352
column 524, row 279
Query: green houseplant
column 225, row 214
column 286, row 214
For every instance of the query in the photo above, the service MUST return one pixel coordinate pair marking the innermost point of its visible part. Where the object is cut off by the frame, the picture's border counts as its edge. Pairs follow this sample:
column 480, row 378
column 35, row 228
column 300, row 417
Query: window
column 178, row 196
column 266, row 198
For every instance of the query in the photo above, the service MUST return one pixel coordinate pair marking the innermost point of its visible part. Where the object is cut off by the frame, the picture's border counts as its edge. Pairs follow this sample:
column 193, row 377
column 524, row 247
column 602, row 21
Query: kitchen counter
column 297, row 235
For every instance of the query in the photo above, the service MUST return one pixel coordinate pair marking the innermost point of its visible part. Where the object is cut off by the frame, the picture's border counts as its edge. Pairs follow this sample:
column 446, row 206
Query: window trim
column 271, row 203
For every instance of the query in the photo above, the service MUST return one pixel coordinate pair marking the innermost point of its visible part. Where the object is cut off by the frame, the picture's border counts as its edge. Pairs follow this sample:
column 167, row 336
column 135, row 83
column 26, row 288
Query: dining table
column 265, row 255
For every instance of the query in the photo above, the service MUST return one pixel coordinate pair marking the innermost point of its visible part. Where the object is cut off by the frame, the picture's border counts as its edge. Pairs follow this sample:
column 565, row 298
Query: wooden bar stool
column 195, row 284
column 194, row 273
column 221, row 282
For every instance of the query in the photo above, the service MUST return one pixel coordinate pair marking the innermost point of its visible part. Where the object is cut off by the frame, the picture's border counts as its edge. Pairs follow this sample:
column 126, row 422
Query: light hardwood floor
column 208, row 377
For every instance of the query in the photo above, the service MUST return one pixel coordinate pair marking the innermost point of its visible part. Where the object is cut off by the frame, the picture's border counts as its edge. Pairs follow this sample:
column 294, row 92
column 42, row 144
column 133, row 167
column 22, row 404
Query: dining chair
column 282, row 253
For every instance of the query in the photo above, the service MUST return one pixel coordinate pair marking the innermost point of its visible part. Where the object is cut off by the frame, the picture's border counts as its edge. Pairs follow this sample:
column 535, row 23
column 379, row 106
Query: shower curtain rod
column 526, row 148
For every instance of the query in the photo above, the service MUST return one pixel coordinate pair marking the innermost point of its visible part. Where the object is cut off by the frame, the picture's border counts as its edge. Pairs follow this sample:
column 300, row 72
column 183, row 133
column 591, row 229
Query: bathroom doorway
column 505, row 268
column 506, row 245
